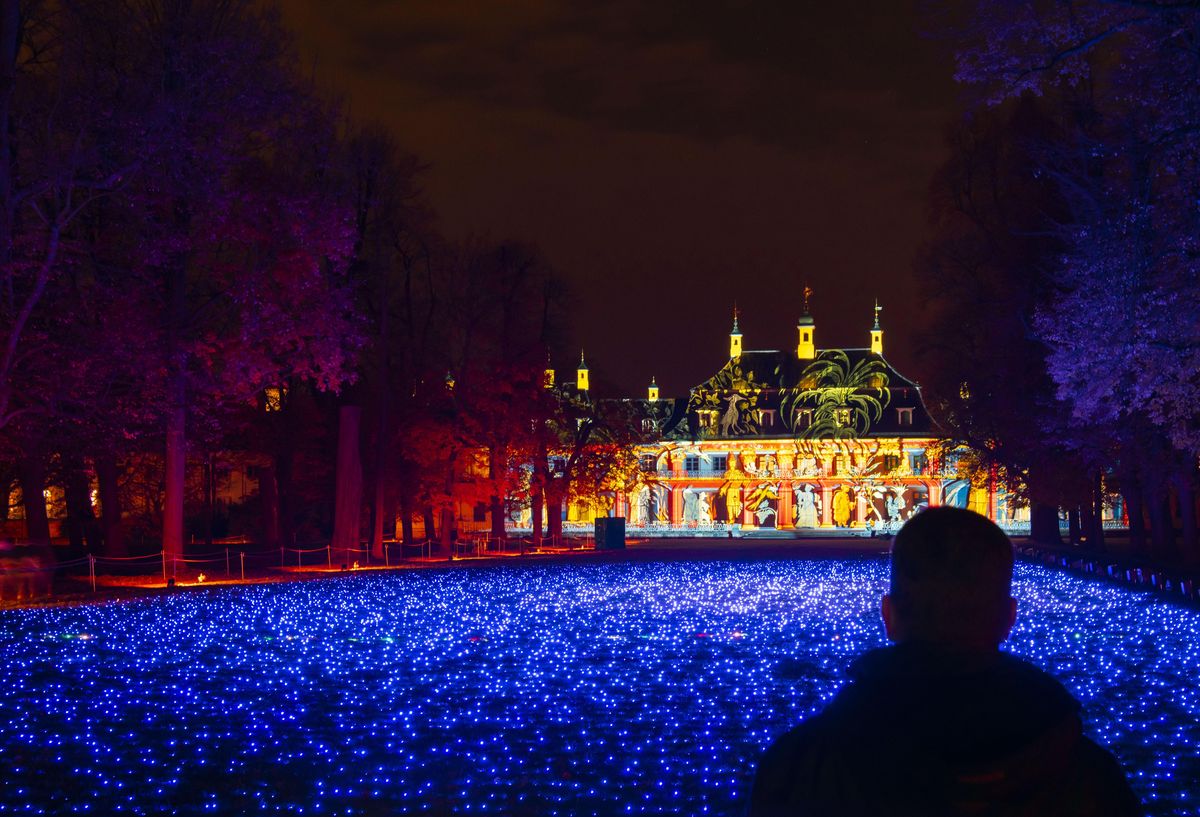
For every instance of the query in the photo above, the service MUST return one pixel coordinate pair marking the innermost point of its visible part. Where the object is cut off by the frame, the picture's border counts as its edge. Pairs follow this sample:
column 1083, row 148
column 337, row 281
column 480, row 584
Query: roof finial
column 807, row 294
column 736, row 312
column 582, row 363
column 877, row 310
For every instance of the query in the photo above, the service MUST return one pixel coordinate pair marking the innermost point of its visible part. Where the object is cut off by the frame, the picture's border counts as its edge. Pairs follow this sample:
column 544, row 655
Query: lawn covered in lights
column 601, row 689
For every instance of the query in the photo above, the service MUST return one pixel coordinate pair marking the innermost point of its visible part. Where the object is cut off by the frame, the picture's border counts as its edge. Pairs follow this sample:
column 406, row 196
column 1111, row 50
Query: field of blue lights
column 527, row 690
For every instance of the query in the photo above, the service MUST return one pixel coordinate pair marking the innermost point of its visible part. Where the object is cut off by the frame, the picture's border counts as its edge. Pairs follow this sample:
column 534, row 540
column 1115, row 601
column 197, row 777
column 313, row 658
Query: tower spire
column 877, row 332
column 581, row 374
column 735, row 336
column 806, row 347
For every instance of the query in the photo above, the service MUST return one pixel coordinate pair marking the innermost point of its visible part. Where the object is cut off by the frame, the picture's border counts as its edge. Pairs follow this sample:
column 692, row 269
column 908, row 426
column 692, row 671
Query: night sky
column 670, row 158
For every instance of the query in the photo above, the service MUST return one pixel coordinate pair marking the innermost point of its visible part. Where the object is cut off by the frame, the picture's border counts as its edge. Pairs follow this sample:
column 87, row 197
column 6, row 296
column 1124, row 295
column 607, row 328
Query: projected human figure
column 806, row 507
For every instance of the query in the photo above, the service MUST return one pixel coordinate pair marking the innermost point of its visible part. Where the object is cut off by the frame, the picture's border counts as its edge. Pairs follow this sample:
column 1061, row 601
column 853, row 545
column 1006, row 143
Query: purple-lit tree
column 1121, row 330
column 988, row 267
column 237, row 248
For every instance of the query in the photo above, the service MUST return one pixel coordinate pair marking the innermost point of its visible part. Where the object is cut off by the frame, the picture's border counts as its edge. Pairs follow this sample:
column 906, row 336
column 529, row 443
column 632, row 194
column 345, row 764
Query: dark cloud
column 669, row 157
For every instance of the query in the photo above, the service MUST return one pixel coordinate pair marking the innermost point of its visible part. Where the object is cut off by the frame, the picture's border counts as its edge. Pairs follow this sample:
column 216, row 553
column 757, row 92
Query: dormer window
column 803, row 418
column 707, row 418
column 766, row 417
column 904, row 416
column 841, row 416
column 647, row 424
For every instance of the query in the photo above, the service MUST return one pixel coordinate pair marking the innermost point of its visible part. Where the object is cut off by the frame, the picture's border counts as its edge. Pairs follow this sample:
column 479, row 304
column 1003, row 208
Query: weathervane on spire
column 807, row 294
column 878, row 308
column 736, row 312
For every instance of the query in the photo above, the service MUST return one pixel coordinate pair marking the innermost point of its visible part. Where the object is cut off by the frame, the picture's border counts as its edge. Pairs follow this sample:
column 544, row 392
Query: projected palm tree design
column 844, row 399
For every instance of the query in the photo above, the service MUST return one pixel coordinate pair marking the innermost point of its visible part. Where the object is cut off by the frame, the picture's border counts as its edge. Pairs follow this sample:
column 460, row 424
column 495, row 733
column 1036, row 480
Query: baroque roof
column 839, row 394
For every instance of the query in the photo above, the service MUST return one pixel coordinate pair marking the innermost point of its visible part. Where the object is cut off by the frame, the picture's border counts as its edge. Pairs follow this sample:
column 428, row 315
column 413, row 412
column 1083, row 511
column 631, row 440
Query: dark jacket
column 925, row 730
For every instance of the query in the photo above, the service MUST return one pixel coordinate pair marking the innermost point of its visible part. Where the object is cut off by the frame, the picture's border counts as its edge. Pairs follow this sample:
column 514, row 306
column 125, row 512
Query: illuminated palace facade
column 802, row 439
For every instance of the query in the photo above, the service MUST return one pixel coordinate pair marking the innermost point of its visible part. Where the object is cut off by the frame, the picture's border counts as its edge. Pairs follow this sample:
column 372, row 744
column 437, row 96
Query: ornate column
column 826, row 505
column 935, row 493
column 785, row 505
column 676, row 505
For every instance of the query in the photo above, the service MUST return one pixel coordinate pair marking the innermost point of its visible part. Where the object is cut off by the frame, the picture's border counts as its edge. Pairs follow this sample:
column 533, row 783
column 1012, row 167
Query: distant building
column 804, row 438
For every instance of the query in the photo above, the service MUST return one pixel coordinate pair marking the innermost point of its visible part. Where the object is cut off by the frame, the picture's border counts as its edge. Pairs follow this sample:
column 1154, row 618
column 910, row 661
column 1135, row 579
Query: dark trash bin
column 610, row 533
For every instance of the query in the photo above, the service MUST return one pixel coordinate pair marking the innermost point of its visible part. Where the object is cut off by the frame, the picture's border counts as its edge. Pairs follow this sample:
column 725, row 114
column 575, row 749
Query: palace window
column 647, row 424
column 273, row 398
column 803, row 419
column 646, row 463
column 766, row 417
column 891, row 462
column 919, row 463
column 720, row 463
column 904, row 416
column 841, row 416
column 691, row 463
column 707, row 417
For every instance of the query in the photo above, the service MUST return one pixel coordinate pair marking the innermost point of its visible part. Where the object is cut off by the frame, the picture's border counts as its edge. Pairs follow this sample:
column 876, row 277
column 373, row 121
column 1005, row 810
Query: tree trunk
column 1136, row 513
column 1162, row 526
column 176, row 462
column 1073, row 526
column 1096, row 535
column 536, row 507
column 1186, row 491
column 284, row 495
column 347, row 504
column 449, row 532
column 268, row 493
column 430, row 523
column 406, row 515
column 378, row 514
column 33, row 486
column 1043, row 524
column 108, row 479
column 210, row 499
column 554, row 510
column 496, row 511
column 77, row 490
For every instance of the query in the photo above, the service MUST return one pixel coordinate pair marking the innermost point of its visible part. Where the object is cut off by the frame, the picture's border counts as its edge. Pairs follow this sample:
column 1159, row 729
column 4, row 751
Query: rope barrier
column 129, row 558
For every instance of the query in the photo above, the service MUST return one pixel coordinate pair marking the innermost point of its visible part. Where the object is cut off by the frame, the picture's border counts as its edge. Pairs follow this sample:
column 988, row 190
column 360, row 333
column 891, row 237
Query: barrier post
column 298, row 554
column 227, row 571
column 243, row 554
column 329, row 555
column 387, row 562
column 164, row 560
column 92, row 568
column 281, row 555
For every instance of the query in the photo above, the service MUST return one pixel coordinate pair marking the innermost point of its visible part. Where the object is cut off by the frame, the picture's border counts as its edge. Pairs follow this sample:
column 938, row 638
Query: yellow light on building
column 581, row 374
column 877, row 333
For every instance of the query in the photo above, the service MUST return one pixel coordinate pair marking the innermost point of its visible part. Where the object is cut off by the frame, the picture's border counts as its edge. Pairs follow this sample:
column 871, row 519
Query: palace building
column 798, row 439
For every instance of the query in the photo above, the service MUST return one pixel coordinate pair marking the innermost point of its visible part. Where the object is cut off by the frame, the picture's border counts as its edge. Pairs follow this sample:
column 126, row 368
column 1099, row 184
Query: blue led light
column 585, row 689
